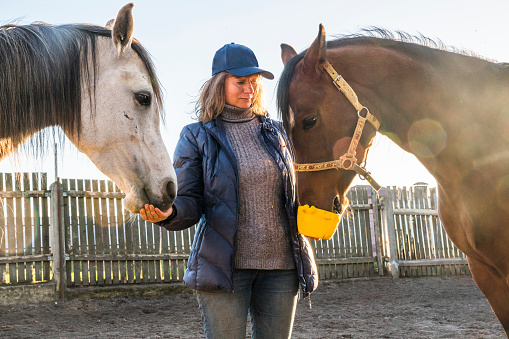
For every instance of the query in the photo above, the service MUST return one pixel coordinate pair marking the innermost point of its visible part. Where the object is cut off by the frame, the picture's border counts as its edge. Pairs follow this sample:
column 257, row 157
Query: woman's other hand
column 154, row 214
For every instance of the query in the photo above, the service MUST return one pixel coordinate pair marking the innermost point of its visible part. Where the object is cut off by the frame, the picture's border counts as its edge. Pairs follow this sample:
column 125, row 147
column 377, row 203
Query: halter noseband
column 347, row 161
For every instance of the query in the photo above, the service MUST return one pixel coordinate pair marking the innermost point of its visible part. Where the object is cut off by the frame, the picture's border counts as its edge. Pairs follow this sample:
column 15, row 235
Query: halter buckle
column 347, row 161
column 363, row 108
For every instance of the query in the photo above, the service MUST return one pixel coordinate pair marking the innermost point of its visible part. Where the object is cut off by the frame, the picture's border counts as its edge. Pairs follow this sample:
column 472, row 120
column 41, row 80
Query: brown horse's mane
column 42, row 68
column 418, row 46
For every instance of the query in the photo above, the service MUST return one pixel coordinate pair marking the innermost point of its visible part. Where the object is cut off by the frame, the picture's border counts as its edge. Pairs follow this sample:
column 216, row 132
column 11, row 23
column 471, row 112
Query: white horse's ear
column 123, row 28
column 110, row 23
column 287, row 53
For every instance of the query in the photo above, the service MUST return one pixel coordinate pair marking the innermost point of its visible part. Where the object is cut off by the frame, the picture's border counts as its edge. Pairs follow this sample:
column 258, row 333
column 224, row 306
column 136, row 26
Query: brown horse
column 450, row 110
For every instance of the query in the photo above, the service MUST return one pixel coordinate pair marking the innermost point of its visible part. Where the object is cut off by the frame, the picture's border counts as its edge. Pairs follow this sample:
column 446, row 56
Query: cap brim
column 245, row 71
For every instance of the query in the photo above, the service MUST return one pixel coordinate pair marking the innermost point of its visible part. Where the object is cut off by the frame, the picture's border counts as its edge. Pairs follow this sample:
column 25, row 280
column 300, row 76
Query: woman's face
column 240, row 91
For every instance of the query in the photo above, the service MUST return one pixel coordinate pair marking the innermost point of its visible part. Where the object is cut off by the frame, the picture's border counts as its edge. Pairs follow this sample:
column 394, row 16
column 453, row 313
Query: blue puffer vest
column 208, row 184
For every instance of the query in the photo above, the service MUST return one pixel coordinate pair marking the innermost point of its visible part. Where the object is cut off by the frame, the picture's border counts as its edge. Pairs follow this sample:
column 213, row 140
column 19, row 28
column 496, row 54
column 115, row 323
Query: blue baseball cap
column 237, row 60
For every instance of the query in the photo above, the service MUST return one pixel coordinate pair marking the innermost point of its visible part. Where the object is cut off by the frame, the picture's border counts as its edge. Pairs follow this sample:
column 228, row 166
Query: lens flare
column 427, row 138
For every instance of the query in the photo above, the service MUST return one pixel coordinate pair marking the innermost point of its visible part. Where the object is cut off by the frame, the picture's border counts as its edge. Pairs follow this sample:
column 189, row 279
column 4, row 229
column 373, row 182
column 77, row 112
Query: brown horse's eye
column 143, row 99
column 309, row 122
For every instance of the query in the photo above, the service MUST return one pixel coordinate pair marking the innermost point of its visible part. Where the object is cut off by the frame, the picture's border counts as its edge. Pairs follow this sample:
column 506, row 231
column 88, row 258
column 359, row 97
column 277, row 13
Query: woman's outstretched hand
column 154, row 214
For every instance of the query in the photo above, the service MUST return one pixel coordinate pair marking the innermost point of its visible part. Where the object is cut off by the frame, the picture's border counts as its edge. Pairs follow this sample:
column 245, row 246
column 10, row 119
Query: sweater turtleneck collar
column 236, row 114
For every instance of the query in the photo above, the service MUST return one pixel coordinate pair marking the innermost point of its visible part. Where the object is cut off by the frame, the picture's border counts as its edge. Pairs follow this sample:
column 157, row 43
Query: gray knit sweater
column 263, row 240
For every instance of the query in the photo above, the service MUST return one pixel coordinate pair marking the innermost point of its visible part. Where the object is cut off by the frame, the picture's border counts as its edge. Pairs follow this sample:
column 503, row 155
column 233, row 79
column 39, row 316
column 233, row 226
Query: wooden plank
column 137, row 247
column 402, row 245
column 25, row 194
column 186, row 242
column 419, row 203
column 365, row 238
column 144, row 249
column 157, row 250
column 98, row 235
column 25, row 258
column 391, row 233
column 75, row 236
column 416, row 225
column 341, row 236
column 413, row 228
column 356, row 229
column 377, row 231
column 89, row 226
column 84, row 245
column 45, row 230
column 165, row 249
column 134, row 256
column 37, row 242
column 414, row 211
column 150, row 250
column 120, row 236
column 179, row 249
column 129, row 245
column 403, row 242
column 113, row 233
column 410, row 225
column 428, row 230
column 3, row 233
column 428, row 262
column 67, row 230
column 343, row 261
column 28, row 224
column 105, row 233
column 20, row 244
column 439, row 251
column 93, row 194
column 173, row 249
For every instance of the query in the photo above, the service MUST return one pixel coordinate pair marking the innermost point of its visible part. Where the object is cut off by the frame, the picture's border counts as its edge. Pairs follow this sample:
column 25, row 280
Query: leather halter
column 347, row 161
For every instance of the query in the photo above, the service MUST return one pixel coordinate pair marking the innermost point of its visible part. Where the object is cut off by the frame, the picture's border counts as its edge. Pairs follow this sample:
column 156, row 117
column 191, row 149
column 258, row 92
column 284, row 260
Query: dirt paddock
column 434, row 307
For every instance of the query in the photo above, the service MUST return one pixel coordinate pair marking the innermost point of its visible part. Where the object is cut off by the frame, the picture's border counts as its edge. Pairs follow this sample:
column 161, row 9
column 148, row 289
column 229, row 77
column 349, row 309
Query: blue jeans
column 270, row 296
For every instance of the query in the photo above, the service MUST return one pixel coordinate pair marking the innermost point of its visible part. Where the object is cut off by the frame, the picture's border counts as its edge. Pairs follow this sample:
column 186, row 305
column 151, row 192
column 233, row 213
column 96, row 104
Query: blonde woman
column 235, row 177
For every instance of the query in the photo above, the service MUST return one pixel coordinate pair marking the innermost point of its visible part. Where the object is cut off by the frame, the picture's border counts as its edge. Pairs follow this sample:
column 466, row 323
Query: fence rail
column 397, row 231
column 416, row 242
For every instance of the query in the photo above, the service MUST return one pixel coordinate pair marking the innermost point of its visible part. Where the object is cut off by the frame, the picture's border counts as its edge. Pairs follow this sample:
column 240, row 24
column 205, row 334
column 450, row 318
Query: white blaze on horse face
column 130, row 150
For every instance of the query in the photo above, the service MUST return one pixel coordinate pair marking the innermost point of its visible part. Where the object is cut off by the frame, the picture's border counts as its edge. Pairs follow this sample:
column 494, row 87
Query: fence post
column 57, row 239
column 373, row 200
column 388, row 216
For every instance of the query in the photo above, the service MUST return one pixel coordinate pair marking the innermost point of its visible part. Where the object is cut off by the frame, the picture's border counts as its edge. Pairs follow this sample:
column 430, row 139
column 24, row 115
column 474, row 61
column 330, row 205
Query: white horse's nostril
column 171, row 191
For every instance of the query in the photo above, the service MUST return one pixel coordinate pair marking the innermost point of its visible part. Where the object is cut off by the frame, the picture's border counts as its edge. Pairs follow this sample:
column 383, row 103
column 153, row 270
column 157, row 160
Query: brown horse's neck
column 445, row 108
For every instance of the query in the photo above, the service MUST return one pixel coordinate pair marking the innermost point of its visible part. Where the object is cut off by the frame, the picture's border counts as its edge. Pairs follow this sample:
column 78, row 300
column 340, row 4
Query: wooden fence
column 25, row 253
column 102, row 244
column 415, row 243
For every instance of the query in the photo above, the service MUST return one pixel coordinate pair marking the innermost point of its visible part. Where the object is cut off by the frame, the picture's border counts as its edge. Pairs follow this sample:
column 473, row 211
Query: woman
column 235, row 177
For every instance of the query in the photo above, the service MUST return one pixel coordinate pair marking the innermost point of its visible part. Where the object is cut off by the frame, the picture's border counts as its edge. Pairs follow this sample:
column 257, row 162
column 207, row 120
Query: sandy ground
column 434, row 307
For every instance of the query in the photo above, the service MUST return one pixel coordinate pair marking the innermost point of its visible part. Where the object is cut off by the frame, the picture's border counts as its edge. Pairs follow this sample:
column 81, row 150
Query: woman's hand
column 154, row 214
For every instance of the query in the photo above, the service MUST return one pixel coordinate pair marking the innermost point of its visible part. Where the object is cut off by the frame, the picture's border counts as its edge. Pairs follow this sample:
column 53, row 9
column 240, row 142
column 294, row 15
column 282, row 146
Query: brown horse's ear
column 316, row 53
column 123, row 28
column 287, row 53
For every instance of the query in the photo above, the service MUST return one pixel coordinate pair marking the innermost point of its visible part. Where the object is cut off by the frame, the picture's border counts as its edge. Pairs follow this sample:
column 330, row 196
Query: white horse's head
column 120, row 122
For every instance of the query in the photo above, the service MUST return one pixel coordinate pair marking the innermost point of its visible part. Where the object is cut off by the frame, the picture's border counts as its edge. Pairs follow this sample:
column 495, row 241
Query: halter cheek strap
column 348, row 160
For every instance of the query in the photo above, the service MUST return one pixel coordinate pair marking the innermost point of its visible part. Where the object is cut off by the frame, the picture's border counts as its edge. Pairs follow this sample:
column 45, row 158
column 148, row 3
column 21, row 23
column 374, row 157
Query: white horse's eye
column 143, row 99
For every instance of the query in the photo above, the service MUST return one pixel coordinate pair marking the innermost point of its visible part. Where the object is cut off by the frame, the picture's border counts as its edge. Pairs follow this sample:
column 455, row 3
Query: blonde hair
column 212, row 98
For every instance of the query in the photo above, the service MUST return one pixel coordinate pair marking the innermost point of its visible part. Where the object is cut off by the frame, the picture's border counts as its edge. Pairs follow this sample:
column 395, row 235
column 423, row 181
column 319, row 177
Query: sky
column 182, row 37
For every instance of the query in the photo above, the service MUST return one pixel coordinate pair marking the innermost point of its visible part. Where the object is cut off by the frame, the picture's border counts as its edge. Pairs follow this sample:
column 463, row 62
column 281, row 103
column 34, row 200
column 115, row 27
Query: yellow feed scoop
column 316, row 223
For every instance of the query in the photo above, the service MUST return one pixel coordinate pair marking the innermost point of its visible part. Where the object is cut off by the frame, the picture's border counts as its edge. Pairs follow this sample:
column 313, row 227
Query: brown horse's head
column 320, row 122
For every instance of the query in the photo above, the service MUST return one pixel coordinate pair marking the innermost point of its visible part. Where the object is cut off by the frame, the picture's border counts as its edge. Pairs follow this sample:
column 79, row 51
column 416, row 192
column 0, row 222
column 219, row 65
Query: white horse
column 99, row 85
